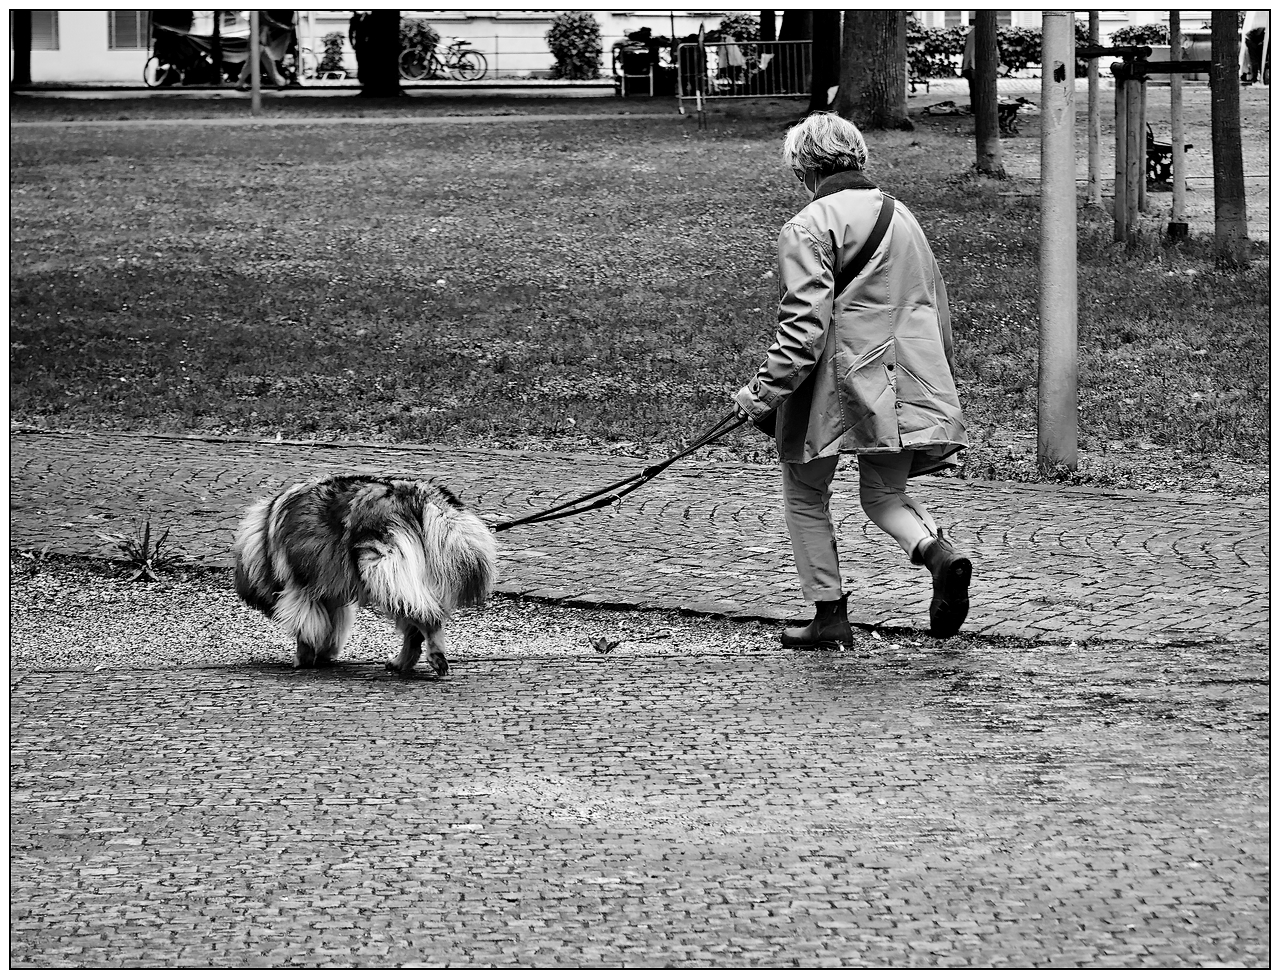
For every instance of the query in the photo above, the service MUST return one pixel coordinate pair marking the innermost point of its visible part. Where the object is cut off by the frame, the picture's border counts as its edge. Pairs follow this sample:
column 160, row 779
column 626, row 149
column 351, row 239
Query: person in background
column 273, row 39
column 966, row 62
column 867, row 372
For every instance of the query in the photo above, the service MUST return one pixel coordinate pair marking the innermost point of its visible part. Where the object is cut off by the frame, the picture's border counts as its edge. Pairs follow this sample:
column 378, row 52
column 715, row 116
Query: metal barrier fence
column 743, row 70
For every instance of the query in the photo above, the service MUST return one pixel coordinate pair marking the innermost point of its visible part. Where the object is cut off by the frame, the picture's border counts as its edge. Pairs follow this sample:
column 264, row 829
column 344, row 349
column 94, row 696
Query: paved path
column 1038, row 808
column 1051, row 562
column 1034, row 805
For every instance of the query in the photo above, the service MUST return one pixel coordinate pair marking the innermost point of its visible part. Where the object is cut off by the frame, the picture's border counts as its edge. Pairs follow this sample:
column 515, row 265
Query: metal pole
column 1142, row 134
column 1178, row 213
column 1056, row 395
column 1120, row 207
column 255, row 74
column 1095, row 121
column 1133, row 154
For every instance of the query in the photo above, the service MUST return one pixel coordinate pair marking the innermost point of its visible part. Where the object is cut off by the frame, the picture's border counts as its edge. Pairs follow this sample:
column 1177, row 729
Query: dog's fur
column 309, row 556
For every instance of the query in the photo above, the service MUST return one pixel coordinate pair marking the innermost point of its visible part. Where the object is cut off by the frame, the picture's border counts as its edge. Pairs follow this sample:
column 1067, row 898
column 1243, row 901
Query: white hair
column 824, row 142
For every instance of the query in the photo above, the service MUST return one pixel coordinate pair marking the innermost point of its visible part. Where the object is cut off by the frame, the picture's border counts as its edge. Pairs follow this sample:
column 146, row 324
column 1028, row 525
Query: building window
column 127, row 29
column 44, row 30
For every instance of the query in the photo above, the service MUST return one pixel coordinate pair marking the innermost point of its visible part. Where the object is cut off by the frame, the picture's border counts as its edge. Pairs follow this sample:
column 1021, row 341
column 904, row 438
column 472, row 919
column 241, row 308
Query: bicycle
column 161, row 74
column 460, row 61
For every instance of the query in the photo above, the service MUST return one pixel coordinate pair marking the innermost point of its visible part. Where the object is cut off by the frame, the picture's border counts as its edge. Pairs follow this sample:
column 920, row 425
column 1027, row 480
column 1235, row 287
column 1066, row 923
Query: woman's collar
column 844, row 180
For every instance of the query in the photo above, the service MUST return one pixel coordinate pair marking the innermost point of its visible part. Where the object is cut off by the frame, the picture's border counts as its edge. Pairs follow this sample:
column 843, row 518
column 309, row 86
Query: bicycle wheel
column 412, row 64
column 157, row 73
column 470, row 66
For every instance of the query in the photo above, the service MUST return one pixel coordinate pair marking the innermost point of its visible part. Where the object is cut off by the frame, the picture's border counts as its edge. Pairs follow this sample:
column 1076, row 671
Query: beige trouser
column 806, row 497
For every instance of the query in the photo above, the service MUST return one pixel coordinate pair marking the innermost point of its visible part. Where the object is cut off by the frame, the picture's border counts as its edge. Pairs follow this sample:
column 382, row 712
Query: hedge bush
column 741, row 27
column 936, row 52
column 417, row 33
column 574, row 40
column 1141, row 34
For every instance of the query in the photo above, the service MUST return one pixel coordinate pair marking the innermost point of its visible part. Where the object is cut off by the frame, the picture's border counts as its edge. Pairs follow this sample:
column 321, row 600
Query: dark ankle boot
column 951, row 573
column 829, row 628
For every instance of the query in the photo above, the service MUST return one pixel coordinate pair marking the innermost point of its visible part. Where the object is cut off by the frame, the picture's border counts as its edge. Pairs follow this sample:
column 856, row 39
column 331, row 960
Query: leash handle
column 590, row 502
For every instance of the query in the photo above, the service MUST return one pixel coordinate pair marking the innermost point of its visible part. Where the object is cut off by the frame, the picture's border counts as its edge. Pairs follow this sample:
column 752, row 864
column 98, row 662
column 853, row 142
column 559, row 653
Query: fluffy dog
column 309, row 556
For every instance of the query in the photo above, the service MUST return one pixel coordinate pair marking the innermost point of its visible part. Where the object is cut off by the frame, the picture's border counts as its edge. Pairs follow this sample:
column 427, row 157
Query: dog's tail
column 255, row 581
column 425, row 572
column 472, row 558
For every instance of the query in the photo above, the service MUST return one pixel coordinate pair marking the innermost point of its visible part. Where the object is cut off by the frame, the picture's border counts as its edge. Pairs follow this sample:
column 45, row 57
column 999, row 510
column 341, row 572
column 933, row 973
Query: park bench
column 1159, row 161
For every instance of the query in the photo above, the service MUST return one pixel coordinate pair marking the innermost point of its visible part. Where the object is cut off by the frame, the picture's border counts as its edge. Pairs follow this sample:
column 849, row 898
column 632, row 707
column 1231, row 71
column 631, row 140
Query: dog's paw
column 439, row 664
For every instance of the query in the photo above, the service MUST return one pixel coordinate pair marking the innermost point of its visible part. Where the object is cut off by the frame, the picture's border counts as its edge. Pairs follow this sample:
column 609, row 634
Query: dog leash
column 589, row 501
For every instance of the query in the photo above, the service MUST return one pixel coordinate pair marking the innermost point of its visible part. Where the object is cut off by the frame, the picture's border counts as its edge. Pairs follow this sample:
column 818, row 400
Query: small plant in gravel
column 140, row 551
column 34, row 560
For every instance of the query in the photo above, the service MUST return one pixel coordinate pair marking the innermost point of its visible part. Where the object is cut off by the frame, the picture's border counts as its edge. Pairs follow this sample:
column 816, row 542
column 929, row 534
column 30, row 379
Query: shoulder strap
column 850, row 272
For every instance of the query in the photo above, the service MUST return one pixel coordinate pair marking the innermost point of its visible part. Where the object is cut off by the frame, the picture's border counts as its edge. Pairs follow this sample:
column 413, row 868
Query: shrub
column 1141, row 34
column 417, row 33
column 741, row 27
column 934, row 52
column 574, row 40
column 332, row 59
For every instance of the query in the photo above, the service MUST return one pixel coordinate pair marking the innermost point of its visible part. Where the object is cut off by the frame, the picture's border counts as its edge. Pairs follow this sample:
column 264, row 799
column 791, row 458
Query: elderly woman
column 861, row 364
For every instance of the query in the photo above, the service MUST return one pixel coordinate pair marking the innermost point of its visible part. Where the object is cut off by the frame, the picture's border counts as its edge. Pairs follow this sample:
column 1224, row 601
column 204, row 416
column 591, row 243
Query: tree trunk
column 21, row 48
column 216, row 53
column 376, row 39
column 797, row 25
column 1230, row 224
column 873, row 69
column 986, row 116
column 787, row 72
column 826, row 58
column 768, row 26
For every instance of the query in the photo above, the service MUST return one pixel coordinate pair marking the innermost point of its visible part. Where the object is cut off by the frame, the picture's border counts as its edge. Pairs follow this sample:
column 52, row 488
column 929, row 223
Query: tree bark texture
column 873, row 69
column 375, row 36
column 1230, row 221
column 826, row 58
column 986, row 118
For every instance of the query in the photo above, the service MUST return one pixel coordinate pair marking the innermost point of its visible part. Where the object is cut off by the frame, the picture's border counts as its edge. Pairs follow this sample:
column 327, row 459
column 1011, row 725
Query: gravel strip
column 85, row 614
column 75, row 613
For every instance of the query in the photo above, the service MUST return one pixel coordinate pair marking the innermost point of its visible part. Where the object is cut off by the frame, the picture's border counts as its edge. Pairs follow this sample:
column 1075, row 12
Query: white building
column 112, row 46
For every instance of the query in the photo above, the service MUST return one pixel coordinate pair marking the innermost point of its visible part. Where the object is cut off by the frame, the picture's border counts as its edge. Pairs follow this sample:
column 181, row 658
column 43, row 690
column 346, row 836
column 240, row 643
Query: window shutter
column 127, row 29
column 44, row 30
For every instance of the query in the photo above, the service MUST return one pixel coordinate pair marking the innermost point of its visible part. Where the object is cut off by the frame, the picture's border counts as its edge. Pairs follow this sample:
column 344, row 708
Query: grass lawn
column 592, row 284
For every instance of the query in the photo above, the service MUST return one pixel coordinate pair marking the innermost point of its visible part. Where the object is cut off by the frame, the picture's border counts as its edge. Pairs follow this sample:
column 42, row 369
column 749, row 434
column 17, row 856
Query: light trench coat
column 871, row 370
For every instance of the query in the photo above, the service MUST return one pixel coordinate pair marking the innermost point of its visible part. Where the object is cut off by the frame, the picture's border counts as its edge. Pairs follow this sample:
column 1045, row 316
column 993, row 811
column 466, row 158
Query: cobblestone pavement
column 1051, row 562
column 1051, row 803
column 1037, row 807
